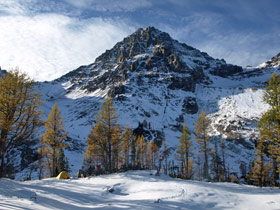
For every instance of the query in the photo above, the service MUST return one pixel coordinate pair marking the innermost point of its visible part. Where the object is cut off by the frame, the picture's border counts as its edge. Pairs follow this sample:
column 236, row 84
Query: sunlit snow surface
column 134, row 190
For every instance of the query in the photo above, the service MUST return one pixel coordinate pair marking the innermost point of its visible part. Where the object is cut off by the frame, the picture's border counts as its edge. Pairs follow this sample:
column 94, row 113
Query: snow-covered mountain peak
column 150, row 54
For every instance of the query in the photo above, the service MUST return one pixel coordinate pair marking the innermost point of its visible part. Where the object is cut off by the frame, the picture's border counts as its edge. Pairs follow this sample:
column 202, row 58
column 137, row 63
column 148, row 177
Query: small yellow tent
column 63, row 175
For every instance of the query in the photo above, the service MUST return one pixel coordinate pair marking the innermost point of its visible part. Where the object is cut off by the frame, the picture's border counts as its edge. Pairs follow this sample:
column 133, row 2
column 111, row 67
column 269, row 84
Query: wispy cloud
column 47, row 46
column 11, row 7
column 243, row 49
column 213, row 33
column 110, row 5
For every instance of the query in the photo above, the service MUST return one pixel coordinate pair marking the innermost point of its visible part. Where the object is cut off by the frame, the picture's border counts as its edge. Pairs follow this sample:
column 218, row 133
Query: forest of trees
column 112, row 148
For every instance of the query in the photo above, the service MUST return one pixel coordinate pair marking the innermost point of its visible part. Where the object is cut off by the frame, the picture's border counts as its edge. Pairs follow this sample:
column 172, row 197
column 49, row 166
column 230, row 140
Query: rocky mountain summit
column 157, row 84
column 151, row 54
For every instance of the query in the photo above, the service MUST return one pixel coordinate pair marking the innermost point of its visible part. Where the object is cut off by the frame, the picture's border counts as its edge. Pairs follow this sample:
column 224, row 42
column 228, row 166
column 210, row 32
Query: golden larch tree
column 19, row 115
column 184, row 154
column 152, row 154
column 126, row 144
column 202, row 137
column 141, row 151
column 105, row 136
column 269, row 125
column 54, row 138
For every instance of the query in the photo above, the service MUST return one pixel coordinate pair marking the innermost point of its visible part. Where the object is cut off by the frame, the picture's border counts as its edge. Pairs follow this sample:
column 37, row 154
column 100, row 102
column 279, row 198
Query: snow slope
column 134, row 190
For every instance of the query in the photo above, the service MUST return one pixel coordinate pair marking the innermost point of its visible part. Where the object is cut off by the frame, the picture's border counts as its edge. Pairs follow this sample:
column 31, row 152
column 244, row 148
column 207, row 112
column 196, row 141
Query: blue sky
column 47, row 38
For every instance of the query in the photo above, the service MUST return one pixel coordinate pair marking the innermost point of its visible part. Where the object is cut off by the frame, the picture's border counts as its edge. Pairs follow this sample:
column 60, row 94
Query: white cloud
column 48, row 46
column 111, row 5
column 243, row 48
column 209, row 32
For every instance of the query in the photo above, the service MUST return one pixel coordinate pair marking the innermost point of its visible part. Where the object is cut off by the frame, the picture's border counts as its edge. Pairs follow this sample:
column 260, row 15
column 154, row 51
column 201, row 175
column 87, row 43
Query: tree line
column 111, row 148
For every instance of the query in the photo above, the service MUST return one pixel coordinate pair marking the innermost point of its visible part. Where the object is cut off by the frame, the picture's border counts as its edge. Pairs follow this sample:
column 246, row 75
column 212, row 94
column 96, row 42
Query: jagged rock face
column 190, row 105
column 156, row 58
column 226, row 70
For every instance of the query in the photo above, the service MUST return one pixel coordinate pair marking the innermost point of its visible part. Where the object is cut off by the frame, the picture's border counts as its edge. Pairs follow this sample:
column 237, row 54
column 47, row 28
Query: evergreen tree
column 19, row 115
column 54, row 139
column 152, row 154
column 141, row 151
column 184, row 155
column 96, row 146
column 133, row 149
column 188, row 167
column 165, row 153
column 217, row 164
column 42, row 151
column 201, row 129
column 63, row 163
column 260, row 170
column 269, row 125
column 272, row 92
column 223, row 152
column 104, row 139
column 198, row 166
column 126, row 142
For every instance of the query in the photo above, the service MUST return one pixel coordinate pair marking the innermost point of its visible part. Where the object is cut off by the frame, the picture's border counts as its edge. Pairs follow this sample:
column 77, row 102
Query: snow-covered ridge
column 274, row 62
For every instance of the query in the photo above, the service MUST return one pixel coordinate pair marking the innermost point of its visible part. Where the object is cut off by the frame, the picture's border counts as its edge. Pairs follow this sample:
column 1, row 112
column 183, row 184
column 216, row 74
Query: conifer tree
column 217, row 164
column 223, row 153
column 269, row 125
column 41, row 154
column 201, row 129
column 133, row 150
column 104, row 139
column 116, row 145
column 272, row 92
column 141, row 151
column 166, row 151
column 19, row 115
column 152, row 154
column 63, row 163
column 54, row 138
column 97, row 146
column 125, row 146
column 184, row 154
column 260, row 170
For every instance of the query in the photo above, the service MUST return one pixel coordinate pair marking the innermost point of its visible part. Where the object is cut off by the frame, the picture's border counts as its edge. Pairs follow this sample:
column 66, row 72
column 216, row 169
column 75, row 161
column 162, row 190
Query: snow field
column 134, row 190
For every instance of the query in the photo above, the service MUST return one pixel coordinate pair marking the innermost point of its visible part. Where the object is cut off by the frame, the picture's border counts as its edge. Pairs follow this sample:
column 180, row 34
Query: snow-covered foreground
column 134, row 190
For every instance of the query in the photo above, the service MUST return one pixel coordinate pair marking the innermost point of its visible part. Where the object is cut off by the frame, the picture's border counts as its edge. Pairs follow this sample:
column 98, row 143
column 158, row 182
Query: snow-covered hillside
column 154, row 79
column 133, row 190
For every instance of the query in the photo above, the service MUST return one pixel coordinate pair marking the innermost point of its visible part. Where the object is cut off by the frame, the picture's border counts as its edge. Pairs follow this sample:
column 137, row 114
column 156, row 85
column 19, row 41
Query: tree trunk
column 187, row 171
column 261, row 180
column 3, row 139
column 2, row 166
column 110, row 158
column 53, row 163
column 205, row 161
